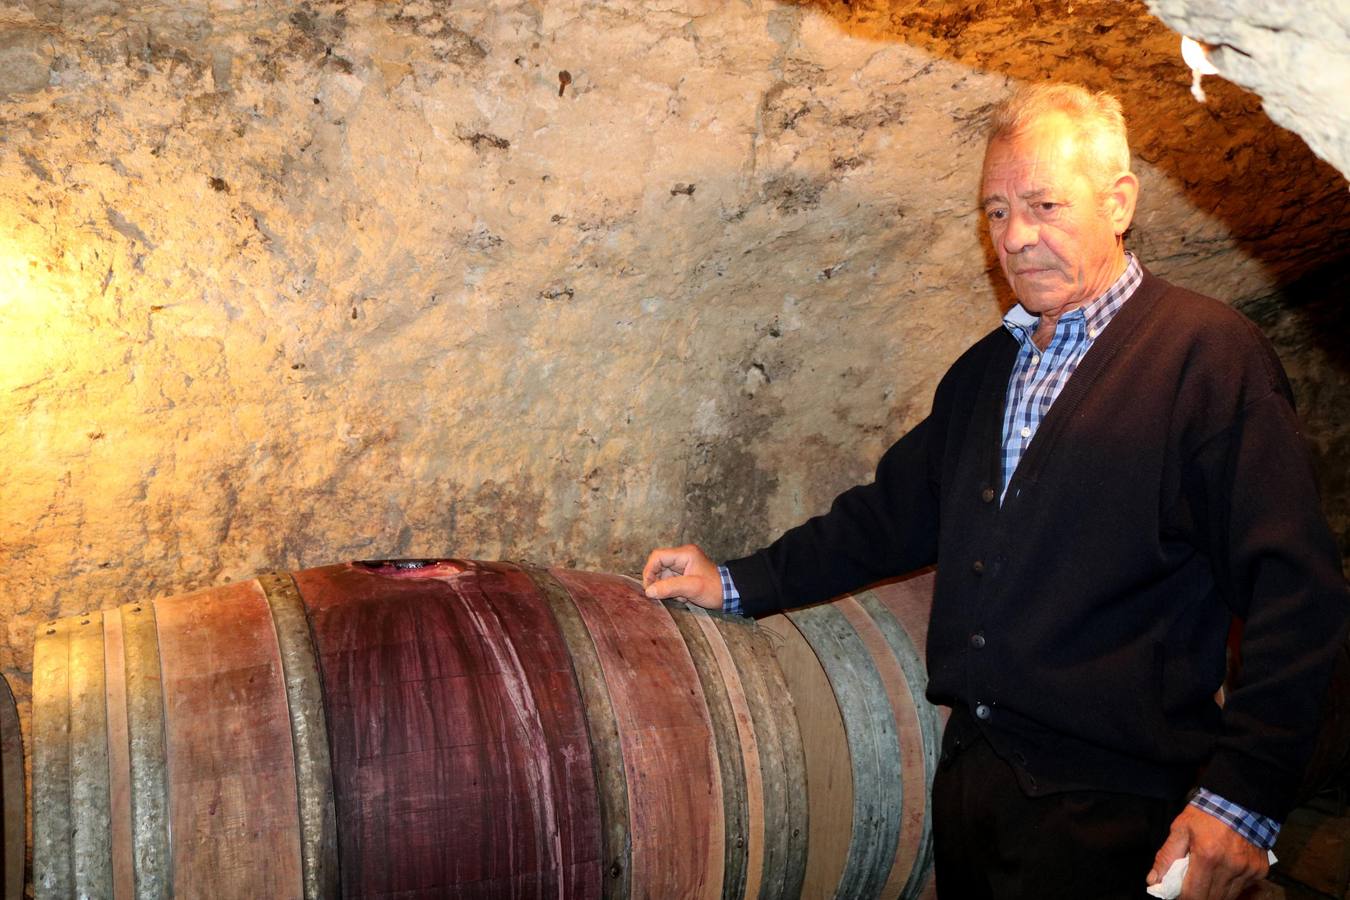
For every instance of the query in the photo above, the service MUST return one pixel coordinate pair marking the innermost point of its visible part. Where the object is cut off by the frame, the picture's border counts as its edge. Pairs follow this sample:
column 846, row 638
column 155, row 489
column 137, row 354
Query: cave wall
column 284, row 284
column 1296, row 56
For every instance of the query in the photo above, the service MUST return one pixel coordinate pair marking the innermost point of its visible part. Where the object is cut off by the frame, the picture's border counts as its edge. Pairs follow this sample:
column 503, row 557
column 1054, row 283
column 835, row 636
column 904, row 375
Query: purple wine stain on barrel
column 461, row 761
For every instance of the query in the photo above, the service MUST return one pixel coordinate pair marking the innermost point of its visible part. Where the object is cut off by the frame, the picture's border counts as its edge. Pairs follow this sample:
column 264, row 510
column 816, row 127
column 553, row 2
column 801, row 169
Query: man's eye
column 1046, row 206
column 996, row 215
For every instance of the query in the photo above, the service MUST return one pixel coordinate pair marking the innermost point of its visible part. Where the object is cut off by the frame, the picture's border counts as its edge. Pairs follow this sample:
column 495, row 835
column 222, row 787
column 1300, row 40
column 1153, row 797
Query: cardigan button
column 983, row 712
column 977, row 640
column 987, row 495
column 977, row 567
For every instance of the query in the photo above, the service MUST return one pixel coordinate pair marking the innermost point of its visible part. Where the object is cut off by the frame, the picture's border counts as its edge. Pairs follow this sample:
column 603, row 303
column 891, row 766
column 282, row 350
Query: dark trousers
column 993, row 841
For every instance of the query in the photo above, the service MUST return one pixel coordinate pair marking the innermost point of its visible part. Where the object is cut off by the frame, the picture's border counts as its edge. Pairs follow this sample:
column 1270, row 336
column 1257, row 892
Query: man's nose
column 1020, row 233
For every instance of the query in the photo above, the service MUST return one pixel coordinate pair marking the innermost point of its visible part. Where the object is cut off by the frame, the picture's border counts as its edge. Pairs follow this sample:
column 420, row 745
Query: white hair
column 1097, row 116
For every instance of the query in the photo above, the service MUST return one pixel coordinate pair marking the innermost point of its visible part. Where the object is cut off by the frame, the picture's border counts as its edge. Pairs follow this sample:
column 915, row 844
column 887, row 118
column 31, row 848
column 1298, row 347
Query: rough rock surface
column 282, row 284
column 1296, row 55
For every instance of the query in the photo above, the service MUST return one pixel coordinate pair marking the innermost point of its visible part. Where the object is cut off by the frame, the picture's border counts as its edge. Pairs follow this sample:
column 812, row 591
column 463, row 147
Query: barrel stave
column 230, row 760
column 149, row 785
column 53, row 850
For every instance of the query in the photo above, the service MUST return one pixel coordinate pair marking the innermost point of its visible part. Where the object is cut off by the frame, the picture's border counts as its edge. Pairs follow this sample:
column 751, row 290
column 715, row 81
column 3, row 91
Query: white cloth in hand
column 1170, row 886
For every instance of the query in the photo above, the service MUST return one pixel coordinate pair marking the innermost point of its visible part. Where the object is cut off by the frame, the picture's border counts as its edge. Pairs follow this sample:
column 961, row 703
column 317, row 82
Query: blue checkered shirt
column 1258, row 829
column 1039, row 375
column 731, row 598
column 1037, row 378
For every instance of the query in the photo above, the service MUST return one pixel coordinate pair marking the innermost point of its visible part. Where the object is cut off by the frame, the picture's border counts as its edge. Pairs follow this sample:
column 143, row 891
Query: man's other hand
column 683, row 573
column 1223, row 863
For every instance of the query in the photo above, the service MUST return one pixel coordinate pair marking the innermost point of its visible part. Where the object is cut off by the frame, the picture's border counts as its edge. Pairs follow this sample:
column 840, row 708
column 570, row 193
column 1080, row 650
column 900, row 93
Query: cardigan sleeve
column 872, row 531
column 1276, row 565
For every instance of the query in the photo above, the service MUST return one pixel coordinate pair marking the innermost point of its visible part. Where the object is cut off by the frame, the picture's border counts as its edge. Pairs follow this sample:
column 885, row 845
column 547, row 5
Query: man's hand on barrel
column 683, row 573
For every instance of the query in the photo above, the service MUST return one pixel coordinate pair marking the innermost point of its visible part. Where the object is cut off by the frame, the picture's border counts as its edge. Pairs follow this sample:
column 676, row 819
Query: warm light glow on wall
column 15, row 281
column 30, row 342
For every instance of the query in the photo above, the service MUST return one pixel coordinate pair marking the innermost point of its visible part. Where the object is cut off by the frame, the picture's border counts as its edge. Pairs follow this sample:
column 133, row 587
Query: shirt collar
column 1096, row 315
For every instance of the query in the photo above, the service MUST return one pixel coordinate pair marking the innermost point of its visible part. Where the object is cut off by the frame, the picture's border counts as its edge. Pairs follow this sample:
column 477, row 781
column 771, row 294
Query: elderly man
column 1103, row 483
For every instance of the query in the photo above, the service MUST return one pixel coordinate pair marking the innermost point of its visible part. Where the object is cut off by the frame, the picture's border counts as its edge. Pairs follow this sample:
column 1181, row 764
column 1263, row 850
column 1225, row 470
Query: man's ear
column 1121, row 197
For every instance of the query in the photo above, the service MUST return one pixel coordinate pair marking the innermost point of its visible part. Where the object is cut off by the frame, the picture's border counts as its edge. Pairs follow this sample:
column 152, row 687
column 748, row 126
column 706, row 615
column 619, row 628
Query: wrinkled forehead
column 1044, row 153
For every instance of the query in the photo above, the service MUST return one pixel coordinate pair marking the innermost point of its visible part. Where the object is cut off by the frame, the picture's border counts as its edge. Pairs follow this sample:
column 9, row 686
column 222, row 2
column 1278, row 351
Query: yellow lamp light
column 28, row 342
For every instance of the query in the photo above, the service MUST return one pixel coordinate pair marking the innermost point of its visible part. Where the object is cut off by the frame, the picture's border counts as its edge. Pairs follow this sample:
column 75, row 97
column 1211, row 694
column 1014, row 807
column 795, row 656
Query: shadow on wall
column 1306, row 321
column 1281, row 204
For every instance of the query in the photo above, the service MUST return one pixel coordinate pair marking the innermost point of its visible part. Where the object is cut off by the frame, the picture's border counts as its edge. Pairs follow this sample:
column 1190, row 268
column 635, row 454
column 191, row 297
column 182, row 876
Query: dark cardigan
column 1168, row 488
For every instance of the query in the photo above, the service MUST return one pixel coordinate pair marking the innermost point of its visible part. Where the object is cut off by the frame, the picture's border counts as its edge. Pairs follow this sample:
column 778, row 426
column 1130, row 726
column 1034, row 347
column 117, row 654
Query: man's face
column 1056, row 240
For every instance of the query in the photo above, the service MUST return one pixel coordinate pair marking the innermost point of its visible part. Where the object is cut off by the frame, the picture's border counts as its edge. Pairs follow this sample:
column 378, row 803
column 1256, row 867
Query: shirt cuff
column 1253, row 827
column 731, row 598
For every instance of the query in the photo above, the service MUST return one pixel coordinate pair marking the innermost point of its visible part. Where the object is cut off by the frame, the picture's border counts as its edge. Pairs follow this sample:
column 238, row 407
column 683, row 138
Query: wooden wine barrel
column 855, row 668
column 11, row 797
column 419, row 729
